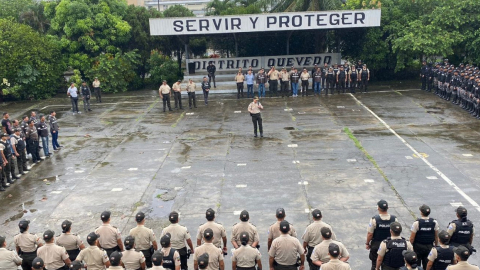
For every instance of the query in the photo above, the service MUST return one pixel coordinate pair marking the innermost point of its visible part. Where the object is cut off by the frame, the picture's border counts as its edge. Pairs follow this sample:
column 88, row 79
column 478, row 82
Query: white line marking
column 307, row 210
column 56, row 192
column 292, row 145
column 303, row 183
column 467, row 155
column 117, row 189
column 178, row 188
column 241, row 186
column 432, row 177
column 186, row 167
column 351, row 160
column 237, row 212
column 369, row 180
column 133, row 169
column 340, row 107
column 237, row 112
column 166, row 141
column 456, row 204
column 301, row 112
column 189, row 113
column 241, row 164
column 79, row 171
column 443, row 176
column 296, row 161
column 288, row 110
column 408, row 157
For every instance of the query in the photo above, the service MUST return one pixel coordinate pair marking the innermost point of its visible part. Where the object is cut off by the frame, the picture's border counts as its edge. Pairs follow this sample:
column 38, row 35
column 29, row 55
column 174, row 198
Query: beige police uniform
column 108, row 236
column 176, row 256
column 215, row 255
column 157, row 268
column 191, row 87
column 244, row 226
column 274, row 75
column 285, row 250
column 218, row 232
column 94, row 258
column 176, row 87
column 96, row 84
column 284, row 76
column 383, row 246
column 452, row 228
column 239, row 78
column 53, row 256
column 69, row 241
column 144, row 237
column 274, row 231
column 304, row 76
column 320, row 252
column 335, row 264
column 164, row 89
column 179, row 234
column 312, row 235
column 432, row 256
column 27, row 242
column 463, row 265
column 116, row 268
column 9, row 259
column 132, row 259
column 246, row 256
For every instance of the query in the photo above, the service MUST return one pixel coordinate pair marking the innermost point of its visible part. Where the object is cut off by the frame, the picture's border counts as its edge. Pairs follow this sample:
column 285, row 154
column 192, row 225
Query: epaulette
column 114, row 227
column 75, row 234
column 235, row 224
column 253, row 225
column 57, row 235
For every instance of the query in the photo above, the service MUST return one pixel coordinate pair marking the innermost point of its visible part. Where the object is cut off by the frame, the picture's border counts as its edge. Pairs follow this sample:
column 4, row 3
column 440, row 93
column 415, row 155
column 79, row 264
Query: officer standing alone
column 179, row 235
column 254, row 110
column 144, row 238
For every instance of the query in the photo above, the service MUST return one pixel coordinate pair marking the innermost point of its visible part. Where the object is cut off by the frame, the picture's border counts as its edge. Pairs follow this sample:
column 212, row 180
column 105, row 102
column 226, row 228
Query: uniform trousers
column 183, row 258
column 284, row 88
column 178, row 99
column 285, row 267
column 257, row 119
column 373, row 255
column 273, row 87
column 166, row 101
column 304, row 87
column 27, row 259
column 239, row 89
column 191, row 97
column 311, row 265
column 98, row 94
column 205, row 96
column 422, row 253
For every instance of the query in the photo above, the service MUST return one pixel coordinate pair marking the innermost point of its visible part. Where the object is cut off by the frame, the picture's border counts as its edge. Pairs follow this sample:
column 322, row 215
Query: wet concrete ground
column 138, row 158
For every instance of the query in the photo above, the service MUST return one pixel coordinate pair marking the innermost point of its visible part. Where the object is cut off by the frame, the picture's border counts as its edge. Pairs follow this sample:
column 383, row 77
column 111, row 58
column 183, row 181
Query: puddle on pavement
column 289, row 128
column 23, row 214
column 160, row 208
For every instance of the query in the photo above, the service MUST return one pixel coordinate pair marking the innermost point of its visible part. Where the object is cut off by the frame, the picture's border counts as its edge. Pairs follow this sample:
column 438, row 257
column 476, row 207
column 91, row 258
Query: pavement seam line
column 174, row 125
column 435, row 169
column 375, row 164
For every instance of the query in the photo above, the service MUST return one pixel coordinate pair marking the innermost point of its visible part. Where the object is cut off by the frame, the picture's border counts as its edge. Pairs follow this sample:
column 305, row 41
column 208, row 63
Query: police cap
column 208, row 234
column 382, row 204
column 115, row 258
column 333, row 250
column 326, row 232
column 444, row 237
column 410, row 257
column 157, row 258
column 284, row 226
column 425, row 209
column 461, row 211
column 23, row 224
column 105, row 215
column 140, row 217
column 48, row 235
column 396, row 227
column 165, row 240
column 462, row 252
column 173, row 217
column 280, row 213
column 76, row 265
column 244, row 216
column 210, row 213
column 203, row 261
column 92, row 237
column 38, row 263
column 317, row 214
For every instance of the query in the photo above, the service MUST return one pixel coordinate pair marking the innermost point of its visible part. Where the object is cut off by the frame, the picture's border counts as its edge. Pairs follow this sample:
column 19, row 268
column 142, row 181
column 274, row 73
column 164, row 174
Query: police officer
column 461, row 256
column 378, row 230
column 285, row 250
column 8, row 169
column 157, row 260
column 202, row 261
column 334, row 263
column 424, row 234
column 191, row 94
column 254, row 109
column 411, row 261
column 364, row 77
column 341, row 79
column 430, row 77
column 110, row 238
column 211, row 73
column 304, row 77
column 285, row 80
column 177, row 94
column 115, row 261
column 171, row 258
column 317, row 82
column 294, row 78
column 219, row 232
column 274, row 230
column 26, row 244
column 131, row 258
column 37, row 264
column 456, row 84
column 70, row 241
column 94, row 257
column 424, row 75
column 320, row 252
column 324, row 75
column 215, row 261
column 9, row 260
column 42, row 130
column 179, row 235
column 55, row 257
column 330, row 81
column 205, row 89
column 32, row 141
column 86, row 94
column 273, row 75
column 165, row 94
column 244, row 226
column 313, row 236
column 461, row 230
column 97, row 90
column 390, row 252
column 54, row 130
column 335, row 72
column 240, row 79
column 353, row 77
column 441, row 256
column 246, row 257
column 144, row 238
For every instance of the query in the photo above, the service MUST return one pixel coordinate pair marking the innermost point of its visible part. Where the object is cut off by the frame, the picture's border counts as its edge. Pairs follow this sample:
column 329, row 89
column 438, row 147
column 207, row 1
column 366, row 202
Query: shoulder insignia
column 219, row 223
column 235, row 224
column 75, row 234
column 253, row 225
column 57, row 235
column 114, row 227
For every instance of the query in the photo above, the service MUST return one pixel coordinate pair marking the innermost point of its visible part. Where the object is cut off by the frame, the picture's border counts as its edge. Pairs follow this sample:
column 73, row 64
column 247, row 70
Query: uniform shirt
column 215, row 255
column 432, row 256
column 27, row 242
column 9, row 259
column 274, row 75
column 254, row 108
column 72, row 91
column 304, row 76
column 24, row 126
column 249, row 78
column 312, row 233
column 205, row 85
column 32, row 133
column 320, row 252
column 191, row 87
column 244, row 226
column 415, row 228
column 452, row 227
column 463, row 265
column 108, row 236
column 53, row 256
column 179, row 234
column 96, row 84
column 132, row 259
column 383, row 246
column 53, row 123
column 164, row 89
column 284, row 76
column 246, row 256
column 94, row 257
column 274, row 231
column 285, row 249
column 143, row 237
column 116, row 268
column 335, row 264
column 14, row 141
column 239, row 78
column 177, row 87
column 218, row 232
column 42, row 129
column 176, row 256
column 373, row 224
column 69, row 241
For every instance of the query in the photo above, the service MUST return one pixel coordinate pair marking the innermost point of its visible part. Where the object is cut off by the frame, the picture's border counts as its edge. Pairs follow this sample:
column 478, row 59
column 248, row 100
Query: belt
column 29, row 253
column 245, row 268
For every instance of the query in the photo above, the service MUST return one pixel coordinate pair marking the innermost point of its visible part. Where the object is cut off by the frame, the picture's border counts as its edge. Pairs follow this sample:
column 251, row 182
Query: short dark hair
column 52, row 112
column 31, row 121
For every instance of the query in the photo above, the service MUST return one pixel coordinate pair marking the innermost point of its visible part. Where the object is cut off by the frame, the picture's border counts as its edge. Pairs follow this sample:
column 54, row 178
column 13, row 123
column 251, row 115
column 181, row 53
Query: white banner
column 257, row 62
column 265, row 22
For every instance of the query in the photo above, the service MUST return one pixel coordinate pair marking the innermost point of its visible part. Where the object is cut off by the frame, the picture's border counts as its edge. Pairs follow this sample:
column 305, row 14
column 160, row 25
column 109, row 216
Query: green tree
column 34, row 16
column 162, row 68
column 31, row 65
column 13, row 8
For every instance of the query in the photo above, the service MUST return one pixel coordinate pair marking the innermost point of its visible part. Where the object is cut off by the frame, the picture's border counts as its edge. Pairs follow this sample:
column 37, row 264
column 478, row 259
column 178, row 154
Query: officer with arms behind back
column 441, row 256
column 171, row 259
column 9, row 260
column 378, row 230
column 424, row 235
column 390, row 252
column 461, row 230
column 179, row 235
column 144, row 238
column 313, row 236
column 244, row 226
column 245, row 257
column 94, row 257
column 70, row 241
column 26, row 244
column 55, row 257
column 285, row 250
column 219, row 232
column 110, row 238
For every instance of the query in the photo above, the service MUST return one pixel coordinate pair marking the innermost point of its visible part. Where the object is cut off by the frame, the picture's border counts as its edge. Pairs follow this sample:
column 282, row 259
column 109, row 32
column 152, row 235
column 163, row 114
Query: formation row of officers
column 460, row 85
column 427, row 245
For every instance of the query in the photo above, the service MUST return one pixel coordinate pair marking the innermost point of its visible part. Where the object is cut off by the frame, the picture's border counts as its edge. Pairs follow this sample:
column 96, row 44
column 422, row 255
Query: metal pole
column 158, row 4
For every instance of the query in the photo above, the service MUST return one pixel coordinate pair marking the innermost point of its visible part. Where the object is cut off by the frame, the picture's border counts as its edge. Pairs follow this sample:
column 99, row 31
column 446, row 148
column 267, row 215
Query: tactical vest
column 382, row 229
column 393, row 257
column 330, row 76
column 463, row 231
column 426, row 231
column 84, row 90
column 365, row 73
column 353, row 75
column 6, row 151
column 444, row 258
column 341, row 74
column 168, row 262
column 20, row 146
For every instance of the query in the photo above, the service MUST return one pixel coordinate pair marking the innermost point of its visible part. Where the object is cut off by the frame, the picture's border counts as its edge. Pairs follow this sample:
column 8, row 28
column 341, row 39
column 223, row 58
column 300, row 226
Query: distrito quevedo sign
column 265, row 22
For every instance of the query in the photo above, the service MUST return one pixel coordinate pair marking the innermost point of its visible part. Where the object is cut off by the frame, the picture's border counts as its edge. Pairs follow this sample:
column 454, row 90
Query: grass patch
column 178, row 120
column 159, row 196
column 294, row 118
